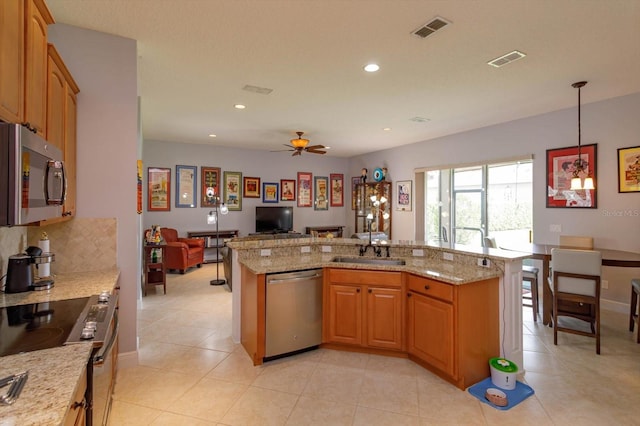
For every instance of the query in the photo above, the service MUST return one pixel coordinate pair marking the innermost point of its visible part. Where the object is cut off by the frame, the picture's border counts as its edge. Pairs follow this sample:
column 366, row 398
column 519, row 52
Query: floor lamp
column 212, row 218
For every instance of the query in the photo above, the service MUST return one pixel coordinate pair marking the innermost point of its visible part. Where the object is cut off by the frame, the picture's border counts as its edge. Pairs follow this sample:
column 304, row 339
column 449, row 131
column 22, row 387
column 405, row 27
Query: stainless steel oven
column 98, row 322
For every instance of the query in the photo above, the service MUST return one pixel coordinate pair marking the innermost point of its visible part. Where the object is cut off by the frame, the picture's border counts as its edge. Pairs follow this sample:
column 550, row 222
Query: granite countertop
column 53, row 373
column 52, row 383
column 452, row 273
column 66, row 286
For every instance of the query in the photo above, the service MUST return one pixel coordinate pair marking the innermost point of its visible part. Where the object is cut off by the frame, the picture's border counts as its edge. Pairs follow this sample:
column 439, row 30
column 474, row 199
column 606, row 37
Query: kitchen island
column 491, row 275
column 56, row 376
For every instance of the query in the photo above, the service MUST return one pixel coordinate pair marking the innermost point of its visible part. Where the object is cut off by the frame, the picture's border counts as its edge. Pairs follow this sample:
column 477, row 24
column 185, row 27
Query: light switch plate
column 305, row 249
column 555, row 228
column 417, row 252
column 265, row 252
column 326, row 249
column 447, row 256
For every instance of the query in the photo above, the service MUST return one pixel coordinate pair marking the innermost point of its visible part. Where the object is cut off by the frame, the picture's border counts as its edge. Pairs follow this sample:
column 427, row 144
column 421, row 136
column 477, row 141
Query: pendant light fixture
column 579, row 165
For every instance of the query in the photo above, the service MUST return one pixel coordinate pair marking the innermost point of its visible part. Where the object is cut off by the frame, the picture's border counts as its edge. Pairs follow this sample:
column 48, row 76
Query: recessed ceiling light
column 386, row 129
column 212, row 135
column 371, row 67
column 239, row 106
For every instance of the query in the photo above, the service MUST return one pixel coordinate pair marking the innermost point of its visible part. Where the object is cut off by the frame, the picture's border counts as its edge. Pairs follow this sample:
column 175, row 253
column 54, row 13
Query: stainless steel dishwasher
column 293, row 312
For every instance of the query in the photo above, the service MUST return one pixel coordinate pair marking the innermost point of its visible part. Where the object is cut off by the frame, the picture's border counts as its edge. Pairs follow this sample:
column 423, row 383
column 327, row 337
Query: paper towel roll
column 44, row 269
column 44, row 245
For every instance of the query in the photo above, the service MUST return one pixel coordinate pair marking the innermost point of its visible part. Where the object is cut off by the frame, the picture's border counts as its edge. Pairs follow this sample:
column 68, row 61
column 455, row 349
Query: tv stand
column 210, row 242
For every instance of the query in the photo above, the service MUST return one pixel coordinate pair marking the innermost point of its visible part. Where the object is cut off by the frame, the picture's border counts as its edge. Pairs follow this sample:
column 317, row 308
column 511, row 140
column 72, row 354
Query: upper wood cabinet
column 38, row 18
column 61, row 120
column 12, row 23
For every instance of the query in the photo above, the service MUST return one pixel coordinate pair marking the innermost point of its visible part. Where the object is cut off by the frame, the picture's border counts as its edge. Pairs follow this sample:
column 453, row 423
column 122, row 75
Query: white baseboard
column 612, row 305
column 128, row 359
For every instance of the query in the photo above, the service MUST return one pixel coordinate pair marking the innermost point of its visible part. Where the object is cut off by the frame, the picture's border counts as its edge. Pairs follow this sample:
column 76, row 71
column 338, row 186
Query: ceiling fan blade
column 317, row 152
column 295, row 153
column 312, row 147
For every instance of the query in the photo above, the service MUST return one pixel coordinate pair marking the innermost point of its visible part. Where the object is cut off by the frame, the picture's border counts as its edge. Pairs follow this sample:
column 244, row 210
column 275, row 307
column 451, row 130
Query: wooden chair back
column 574, row 241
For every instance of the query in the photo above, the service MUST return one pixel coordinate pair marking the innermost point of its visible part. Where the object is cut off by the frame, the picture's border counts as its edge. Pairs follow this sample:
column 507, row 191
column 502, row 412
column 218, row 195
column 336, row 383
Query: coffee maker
column 23, row 272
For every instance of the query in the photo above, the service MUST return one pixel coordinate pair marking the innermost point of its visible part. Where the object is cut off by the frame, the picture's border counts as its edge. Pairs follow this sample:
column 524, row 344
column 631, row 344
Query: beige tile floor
column 191, row 373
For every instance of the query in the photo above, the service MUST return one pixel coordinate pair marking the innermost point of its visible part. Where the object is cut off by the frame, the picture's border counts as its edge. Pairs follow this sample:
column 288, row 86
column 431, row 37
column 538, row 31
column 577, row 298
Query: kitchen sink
column 369, row 260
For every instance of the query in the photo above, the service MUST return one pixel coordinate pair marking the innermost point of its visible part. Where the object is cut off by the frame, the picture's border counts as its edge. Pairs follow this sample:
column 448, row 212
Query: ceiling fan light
column 576, row 184
column 588, row 183
column 299, row 143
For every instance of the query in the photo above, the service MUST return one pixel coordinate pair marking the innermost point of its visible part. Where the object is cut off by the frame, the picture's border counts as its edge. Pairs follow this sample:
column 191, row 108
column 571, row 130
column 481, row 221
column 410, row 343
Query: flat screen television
column 274, row 219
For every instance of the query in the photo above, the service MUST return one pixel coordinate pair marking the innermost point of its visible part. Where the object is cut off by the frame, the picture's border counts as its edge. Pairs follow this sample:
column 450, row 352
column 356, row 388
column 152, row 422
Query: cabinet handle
column 408, row 294
column 370, row 291
column 77, row 405
column 357, row 290
column 426, row 287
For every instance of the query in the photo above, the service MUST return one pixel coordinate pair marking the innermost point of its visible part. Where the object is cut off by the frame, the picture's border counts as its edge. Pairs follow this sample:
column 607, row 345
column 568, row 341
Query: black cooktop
column 36, row 326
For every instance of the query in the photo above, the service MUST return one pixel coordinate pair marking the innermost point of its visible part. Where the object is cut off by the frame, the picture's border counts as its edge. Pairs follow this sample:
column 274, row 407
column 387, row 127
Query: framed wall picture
column 232, row 197
column 336, row 191
column 251, row 187
column 321, row 201
column 270, row 192
column 287, row 190
column 305, row 189
column 560, row 170
column 159, row 189
column 354, row 183
column 210, row 177
column 629, row 169
column 186, row 177
column 404, row 200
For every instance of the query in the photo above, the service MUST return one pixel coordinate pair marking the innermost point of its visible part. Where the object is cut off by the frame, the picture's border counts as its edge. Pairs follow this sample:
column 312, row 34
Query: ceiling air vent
column 419, row 119
column 506, row 59
column 431, row 27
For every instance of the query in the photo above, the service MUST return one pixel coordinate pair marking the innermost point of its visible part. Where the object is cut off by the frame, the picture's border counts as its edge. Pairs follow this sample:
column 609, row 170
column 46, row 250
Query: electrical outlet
column 447, row 256
column 604, row 284
column 417, row 252
column 555, row 228
column 484, row 262
column 265, row 252
column 305, row 249
column 326, row 249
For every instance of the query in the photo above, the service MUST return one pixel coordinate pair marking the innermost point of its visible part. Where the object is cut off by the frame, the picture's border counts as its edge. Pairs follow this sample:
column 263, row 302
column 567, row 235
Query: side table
column 154, row 270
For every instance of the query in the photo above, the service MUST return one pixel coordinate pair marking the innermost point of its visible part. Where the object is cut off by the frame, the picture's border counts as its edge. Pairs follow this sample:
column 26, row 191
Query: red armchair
column 182, row 253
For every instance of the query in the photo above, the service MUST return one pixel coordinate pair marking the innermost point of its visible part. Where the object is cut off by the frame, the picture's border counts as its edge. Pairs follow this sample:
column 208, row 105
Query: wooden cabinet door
column 345, row 314
column 430, row 332
column 384, row 317
column 70, row 142
column 11, row 60
column 55, row 103
column 35, row 103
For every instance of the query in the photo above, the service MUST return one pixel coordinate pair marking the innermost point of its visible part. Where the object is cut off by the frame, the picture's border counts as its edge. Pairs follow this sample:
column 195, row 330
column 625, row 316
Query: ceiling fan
column 300, row 144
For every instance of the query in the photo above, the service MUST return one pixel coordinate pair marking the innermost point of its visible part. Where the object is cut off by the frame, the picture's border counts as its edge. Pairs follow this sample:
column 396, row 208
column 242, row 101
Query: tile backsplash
column 13, row 240
column 80, row 244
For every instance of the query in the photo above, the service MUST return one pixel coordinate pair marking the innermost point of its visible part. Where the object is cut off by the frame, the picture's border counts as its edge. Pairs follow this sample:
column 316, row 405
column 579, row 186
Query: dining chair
column 529, row 281
column 575, row 241
column 575, row 283
column 635, row 296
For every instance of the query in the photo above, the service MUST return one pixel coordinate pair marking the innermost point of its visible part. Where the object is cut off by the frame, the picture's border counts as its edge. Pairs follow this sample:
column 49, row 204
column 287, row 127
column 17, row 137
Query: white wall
column 104, row 66
column 268, row 166
column 612, row 124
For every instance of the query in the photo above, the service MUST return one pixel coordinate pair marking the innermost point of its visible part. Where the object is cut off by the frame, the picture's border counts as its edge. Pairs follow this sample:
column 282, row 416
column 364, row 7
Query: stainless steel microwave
column 32, row 177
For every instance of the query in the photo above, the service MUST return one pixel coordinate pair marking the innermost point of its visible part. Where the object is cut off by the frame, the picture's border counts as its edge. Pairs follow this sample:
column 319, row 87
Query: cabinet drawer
column 359, row 276
column 431, row 288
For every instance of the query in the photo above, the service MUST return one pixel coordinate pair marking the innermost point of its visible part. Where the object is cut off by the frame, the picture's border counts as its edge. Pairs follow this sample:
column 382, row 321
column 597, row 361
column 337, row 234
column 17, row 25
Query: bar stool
column 635, row 295
column 530, row 275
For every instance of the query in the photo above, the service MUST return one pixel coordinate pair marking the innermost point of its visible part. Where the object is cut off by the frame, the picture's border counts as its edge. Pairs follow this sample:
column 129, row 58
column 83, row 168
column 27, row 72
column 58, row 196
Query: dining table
column 616, row 258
